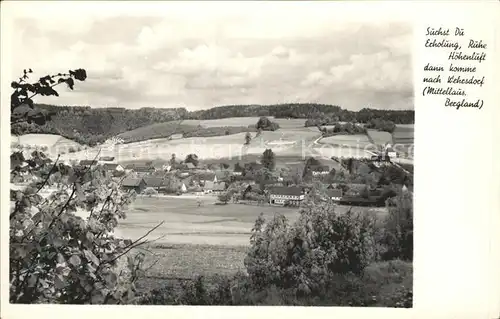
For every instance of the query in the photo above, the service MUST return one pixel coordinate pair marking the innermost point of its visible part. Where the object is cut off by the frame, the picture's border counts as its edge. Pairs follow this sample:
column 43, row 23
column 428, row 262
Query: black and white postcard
column 322, row 158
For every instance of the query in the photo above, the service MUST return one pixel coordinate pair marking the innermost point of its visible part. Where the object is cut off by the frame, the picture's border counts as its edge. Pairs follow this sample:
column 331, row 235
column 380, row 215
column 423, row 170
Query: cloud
column 230, row 55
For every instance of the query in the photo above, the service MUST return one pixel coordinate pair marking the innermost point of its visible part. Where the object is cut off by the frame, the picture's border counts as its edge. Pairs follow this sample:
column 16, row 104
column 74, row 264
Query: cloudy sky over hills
column 199, row 56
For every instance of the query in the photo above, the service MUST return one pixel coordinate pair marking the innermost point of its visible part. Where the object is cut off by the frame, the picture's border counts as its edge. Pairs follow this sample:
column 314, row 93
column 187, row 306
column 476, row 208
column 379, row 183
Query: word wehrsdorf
column 452, row 79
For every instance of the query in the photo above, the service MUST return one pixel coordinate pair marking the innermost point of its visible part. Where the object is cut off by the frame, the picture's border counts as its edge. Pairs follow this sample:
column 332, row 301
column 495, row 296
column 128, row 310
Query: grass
column 158, row 130
column 403, row 134
column 359, row 140
column 379, row 137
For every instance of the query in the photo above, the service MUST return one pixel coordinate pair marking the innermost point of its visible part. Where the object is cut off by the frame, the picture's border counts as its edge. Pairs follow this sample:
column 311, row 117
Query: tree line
column 90, row 126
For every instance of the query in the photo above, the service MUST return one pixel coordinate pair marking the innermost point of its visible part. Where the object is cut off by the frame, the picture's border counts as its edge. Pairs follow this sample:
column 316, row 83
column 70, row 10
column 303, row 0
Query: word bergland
column 464, row 103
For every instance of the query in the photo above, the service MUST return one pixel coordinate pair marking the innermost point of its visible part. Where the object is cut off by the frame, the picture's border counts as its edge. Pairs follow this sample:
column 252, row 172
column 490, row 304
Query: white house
column 281, row 195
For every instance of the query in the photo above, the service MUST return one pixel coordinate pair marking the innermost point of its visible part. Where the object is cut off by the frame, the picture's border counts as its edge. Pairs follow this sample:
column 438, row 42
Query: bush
column 398, row 227
column 72, row 149
column 57, row 256
column 150, row 191
column 303, row 255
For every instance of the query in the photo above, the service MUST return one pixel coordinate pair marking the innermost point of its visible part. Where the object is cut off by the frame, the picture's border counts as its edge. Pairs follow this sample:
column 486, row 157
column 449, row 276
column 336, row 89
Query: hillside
column 91, row 126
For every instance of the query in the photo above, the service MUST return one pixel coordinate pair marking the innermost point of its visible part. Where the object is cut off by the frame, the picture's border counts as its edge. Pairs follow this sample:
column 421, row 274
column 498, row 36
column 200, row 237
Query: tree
column 266, row 125
column 55, row 255
column 248, row 138
column 225, row 197
column 192, row 158
column 21, row 103
column 268, row 159
column 172, row 161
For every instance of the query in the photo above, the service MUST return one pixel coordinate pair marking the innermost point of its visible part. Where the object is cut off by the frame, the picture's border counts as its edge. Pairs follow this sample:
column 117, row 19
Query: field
column 379, row 137
column 403, row 134
column 209, row 223
column 245, row 121
column 293, row 139
column 55, row 143
column 206, row 239
column 154, row 131
column 359, row 140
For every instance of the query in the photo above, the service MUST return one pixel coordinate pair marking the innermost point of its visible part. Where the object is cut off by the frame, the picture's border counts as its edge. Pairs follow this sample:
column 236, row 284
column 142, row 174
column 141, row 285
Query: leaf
column 70, row 83
column 32, row 280
column 75, row 260
column 112, row 279
column 14, row 85
column 61, row 80
column 90, row 256
column 97, row 298
column 60, row 258
column 59, row 282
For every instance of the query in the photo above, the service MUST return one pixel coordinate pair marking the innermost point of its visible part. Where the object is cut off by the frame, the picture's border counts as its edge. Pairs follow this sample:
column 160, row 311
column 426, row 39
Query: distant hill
column 90, row 126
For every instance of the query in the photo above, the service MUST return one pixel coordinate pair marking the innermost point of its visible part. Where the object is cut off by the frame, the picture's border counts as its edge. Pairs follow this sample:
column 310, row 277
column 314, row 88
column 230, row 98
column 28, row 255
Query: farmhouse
column 320, row 170
column 157, row 183
column 208, row 187
column 137, row 184
column 219, row 188
column 286, row 195
column 334, row 194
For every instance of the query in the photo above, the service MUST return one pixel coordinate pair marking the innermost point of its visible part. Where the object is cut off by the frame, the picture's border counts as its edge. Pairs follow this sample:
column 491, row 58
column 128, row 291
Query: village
column 356, row 182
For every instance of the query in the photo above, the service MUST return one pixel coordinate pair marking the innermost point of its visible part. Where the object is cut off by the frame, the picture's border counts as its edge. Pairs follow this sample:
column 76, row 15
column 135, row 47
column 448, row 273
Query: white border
column 457, row 199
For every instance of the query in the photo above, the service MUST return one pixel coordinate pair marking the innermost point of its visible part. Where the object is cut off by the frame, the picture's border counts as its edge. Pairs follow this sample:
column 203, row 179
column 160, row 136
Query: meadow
column 403, row 134
column 379, row 137
column 359, row 140
column 205, row 240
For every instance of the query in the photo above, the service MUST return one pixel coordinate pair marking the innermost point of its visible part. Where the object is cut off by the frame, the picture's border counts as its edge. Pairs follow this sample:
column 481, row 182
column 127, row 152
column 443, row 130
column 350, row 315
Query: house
column 155, row 182
column 320, row 170
column 282, row 195
column 219, row 188
column 107, row 158
column 112, row 167
column 135, row 183
column 389, row 151
column 208, row 187
column 87, row 162
column 334, row 194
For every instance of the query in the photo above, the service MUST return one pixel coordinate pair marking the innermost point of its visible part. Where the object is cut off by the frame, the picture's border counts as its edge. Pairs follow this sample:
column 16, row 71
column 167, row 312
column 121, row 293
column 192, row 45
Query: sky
column 198, row 56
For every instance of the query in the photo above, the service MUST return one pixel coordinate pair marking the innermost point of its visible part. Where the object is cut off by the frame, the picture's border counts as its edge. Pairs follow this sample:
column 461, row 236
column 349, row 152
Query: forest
column 90, row 126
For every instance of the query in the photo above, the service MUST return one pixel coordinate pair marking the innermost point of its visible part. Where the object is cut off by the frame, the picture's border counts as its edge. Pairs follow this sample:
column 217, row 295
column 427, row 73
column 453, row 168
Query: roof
column 153, row 181
column 143, row 168
column 334, row 193
column 190, row 165
column 320, row 168
column 110, row 166
column 132, row 181
column 222, row 174
column 219, row 186
column 282, row 190
column 209, row 185
column 87, row 162
column 107, row 158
